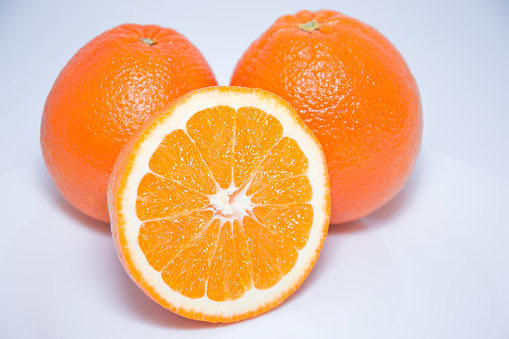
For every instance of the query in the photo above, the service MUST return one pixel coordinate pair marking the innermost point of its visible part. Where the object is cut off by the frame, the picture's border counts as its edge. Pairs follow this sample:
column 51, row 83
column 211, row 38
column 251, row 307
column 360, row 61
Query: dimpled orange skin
column 108, row 89
column 354, row 90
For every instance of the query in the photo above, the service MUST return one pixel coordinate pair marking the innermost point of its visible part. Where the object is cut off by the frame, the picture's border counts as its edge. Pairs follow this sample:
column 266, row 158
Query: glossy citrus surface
column 220, row 206
column 103, row 95
column 354, row 90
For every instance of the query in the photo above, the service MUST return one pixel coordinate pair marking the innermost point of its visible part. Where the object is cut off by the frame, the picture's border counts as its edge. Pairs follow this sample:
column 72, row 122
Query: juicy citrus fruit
column 219, row 206
column 355, row 91
column 103, row 95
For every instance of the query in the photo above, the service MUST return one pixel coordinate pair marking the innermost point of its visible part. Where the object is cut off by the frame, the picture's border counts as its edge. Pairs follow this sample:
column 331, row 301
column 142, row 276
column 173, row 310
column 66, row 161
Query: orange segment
column 178, row 159
column 272, row 256
column 160, row 198
column 256, row 132
column 292, row 222
column 162, row 240
column 242, row 256
column 224, row 281
column 292, row 190
column 189, row 271
column 284, row 160
column 213, row 131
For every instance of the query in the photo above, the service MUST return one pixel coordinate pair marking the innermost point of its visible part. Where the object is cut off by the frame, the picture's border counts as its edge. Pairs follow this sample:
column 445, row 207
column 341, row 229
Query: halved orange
column 220, row 205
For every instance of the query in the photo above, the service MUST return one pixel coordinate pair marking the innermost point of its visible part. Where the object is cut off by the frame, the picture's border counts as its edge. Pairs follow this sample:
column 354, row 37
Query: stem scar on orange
column 107, row 90
column 354, row 90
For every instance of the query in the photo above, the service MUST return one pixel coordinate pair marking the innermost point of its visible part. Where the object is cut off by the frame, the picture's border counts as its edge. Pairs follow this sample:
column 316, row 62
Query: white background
column 433, row 263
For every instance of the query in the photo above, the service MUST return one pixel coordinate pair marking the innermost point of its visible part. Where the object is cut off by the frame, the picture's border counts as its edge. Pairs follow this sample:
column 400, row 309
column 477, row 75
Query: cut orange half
column 220, row 205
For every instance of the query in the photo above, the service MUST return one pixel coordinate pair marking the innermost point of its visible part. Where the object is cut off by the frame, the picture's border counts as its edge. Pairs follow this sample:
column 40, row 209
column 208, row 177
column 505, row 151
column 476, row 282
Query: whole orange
column 355, row 91
column 108, row 89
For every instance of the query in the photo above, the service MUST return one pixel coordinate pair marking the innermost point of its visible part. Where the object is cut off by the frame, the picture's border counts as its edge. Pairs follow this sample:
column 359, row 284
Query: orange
column 220, row 205
column 354, row 90
column 108, row 89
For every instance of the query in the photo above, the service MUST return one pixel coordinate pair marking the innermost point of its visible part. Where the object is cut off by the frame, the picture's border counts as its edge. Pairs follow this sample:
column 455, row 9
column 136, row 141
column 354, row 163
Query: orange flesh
column 201, row 250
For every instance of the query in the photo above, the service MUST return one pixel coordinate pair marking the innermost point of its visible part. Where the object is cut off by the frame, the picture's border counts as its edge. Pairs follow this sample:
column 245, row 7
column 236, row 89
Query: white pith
column 221, row 202
column 231, row 203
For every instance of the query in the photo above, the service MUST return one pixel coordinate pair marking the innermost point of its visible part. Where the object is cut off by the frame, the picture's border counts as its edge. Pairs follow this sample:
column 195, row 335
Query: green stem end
column 148, row 41
column 310, row 26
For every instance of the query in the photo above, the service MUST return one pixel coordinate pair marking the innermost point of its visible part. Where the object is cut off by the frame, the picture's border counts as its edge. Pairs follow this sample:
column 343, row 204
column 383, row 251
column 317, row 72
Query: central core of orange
column 231, row 203
column 221, row 202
